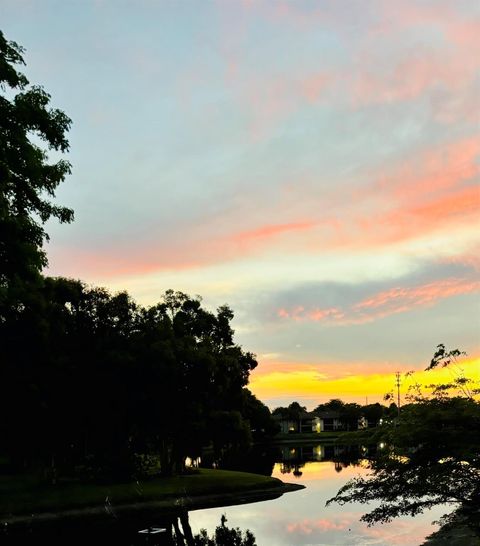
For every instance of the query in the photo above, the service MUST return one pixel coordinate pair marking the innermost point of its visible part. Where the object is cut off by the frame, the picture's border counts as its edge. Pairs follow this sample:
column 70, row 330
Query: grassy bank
column 21, row 495
column 294, row 438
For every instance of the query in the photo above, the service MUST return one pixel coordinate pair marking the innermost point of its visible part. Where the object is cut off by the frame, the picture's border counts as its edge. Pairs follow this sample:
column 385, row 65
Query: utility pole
column 397, row 383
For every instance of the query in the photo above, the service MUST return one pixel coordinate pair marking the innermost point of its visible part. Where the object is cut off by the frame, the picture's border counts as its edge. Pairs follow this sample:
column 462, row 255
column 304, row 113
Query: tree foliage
column 29, row 132
column 349, row 413
column 432, row 455
column 96, row 378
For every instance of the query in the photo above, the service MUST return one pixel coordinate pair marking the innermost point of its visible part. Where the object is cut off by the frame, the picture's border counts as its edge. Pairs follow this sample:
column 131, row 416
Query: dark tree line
column 90, row 376
column 349, row 413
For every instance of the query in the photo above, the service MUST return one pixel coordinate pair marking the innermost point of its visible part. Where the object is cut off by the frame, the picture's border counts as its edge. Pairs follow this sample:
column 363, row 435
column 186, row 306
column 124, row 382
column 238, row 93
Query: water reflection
column 173, row 529
column 292, row 457
column 297, row 519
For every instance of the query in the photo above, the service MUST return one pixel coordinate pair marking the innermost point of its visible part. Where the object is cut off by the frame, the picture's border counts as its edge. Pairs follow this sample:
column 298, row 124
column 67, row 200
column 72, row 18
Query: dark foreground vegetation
column 97, row 384
column 431, row 454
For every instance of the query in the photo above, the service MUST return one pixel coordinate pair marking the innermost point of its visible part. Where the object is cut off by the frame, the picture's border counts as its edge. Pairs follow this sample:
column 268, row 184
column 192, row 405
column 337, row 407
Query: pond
column 301, row 518
column 298, row 518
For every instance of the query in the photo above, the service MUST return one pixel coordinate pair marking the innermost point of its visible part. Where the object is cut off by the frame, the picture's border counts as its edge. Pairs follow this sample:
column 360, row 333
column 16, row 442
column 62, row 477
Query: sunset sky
column 314, row 164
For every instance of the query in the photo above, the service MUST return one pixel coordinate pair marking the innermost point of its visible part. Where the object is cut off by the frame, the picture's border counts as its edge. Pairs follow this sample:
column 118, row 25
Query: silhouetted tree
column 100, row 378
column 258, row 416
column 335, row 404
column 373, row 413
column 432, row 455
column 28, row 177
column 29, row 131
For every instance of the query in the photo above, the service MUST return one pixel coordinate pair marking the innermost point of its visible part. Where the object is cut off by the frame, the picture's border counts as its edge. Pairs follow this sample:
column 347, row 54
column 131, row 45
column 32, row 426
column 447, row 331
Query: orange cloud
column 386, row 303
column 431, row 192
column 432, row 170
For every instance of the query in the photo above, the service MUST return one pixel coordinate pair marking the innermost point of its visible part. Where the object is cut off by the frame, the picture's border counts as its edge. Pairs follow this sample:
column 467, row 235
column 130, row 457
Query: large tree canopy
column 97, row 377
column 29, row 131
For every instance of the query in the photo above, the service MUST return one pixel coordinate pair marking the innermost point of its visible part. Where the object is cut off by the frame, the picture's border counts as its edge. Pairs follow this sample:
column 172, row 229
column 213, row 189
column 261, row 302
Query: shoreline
column 168, row 505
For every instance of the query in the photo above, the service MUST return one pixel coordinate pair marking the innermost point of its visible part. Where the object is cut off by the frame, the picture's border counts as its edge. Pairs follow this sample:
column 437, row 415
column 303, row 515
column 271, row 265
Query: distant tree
column 373, row 413
column 334, row 404
column 293, row 412
column 349, row 413
column 349, row 416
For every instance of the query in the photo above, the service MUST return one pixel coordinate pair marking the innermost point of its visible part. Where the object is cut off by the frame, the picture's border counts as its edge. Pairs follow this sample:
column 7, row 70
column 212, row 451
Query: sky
column 314, row 164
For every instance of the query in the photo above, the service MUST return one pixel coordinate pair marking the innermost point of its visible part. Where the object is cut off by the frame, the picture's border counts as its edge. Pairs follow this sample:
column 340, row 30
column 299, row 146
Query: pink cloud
column 381, row 73
column 413, row 76
column 469, row 258
column 399, row 298
column 300, row 313
column 308, row 526
column 431, row 192
column 445, row 71
column 313, row 86
column 383, row 304
column 407, row 222
column 433, row 170
column 269, row 231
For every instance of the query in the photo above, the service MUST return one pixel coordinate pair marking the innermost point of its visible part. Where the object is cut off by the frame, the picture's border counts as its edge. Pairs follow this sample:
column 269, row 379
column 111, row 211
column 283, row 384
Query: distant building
column 325, row 421
column 321, row 421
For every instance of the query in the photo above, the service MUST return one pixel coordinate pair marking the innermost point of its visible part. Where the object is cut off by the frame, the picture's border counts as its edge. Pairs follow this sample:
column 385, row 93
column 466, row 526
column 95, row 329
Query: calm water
column 296, row 519
column 301, row 518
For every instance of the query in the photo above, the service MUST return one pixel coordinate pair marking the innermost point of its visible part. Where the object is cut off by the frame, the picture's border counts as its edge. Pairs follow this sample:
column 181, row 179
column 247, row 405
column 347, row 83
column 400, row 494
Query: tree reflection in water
column 223, row 535
column 163, row 530
column 293, row 458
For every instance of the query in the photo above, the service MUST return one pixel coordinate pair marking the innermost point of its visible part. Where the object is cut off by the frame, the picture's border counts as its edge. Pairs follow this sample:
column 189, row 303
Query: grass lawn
column 21, row 495
column 307, row 436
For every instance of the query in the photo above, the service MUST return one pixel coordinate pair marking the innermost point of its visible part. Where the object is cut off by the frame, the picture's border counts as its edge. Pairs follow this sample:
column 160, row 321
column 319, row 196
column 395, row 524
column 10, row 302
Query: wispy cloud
column 383, row 304
column 308, row 526
column 269, row 231
column 430, row 192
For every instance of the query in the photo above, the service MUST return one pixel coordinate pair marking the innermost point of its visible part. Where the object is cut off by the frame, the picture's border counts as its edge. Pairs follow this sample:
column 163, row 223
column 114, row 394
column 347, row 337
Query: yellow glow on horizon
column 292, row 384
